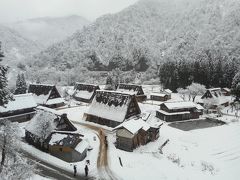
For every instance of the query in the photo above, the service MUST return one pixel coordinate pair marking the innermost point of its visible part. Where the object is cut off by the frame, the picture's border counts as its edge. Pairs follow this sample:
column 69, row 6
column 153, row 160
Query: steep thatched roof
column 111, row 105
column 40, row 89
column 86, row 87
column 130, row 88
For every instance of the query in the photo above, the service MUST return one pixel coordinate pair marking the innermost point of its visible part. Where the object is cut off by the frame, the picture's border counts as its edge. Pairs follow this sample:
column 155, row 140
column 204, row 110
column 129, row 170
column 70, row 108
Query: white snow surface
column 56, row 137
column 180, row 105
column 41, row 99
column 134, row 126
column 82, row 146
column 83, row 94
column 22, row 101
column 54, row 101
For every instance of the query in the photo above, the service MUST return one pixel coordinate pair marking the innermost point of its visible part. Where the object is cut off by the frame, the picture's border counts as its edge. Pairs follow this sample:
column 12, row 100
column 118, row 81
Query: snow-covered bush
column 174, row 159
column 208, row 167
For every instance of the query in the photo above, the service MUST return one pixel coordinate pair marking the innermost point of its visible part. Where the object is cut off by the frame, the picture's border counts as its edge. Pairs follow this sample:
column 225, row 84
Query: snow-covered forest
column 146, row 35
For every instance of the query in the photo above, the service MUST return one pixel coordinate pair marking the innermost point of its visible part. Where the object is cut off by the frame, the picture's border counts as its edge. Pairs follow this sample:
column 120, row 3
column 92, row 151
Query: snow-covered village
column 119, row 90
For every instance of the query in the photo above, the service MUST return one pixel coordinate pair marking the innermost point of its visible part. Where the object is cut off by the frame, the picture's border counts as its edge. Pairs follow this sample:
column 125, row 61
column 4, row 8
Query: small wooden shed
column 67, row 146
column 132, row 134
column 159, row 96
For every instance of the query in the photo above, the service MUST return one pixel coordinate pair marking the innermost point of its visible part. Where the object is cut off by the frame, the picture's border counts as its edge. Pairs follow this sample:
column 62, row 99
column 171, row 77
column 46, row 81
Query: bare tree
column 195, row 90
column 183, row 93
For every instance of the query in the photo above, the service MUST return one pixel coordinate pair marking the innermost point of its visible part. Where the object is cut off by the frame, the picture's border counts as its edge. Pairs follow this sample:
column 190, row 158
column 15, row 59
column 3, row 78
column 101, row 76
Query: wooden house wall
column 125, row 143
column 141, row 98
column 36, row 141
column 67, row 153
column 58, row 148
column 21, row 117
column 154, row 133
column 171, row 118
column 130, row 142
column 164, row 108
column 83, row 99
column 102, row 121
column 17, row 112
column 159, row 98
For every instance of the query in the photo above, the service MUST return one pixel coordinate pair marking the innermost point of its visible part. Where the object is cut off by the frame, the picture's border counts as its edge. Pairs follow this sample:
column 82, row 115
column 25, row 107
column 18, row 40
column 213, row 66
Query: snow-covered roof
column 82, row 146
column 199, row 107
column 35, row 124
column 226, row 89
column 54, row 101
column 65, row 139
column 217, row 97
column 41, row 99
column 167, row 91
column 83, row 94
column 20, row 102
column 214, row 89
column 158, row 94
column 85, row 91
column 110, row 105
column 41, row 92
column 134, row 126
column 174, row 113
column 136, row 89
column 49, row 110
column 51, row 117
column 180, row 105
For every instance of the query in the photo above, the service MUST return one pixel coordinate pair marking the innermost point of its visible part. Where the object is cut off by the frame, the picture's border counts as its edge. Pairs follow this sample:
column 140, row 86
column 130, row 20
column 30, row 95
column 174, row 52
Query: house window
column 61, row 149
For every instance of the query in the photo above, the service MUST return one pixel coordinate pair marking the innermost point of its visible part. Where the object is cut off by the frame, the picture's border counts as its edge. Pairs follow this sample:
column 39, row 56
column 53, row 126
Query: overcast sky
column 15, row 10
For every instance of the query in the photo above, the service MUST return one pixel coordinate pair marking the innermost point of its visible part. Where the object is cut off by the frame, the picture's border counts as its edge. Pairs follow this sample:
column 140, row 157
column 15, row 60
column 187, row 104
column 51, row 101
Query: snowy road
column 104, row 171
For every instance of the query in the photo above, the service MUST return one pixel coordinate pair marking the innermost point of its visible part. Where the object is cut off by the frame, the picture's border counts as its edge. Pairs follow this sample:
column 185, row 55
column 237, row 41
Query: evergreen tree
column 4, row 92
column 21, row 85
column 236, row 86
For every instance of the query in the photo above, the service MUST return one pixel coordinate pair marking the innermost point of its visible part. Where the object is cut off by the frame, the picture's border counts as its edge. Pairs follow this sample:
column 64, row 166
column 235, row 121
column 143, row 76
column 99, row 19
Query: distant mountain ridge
column 49, row 30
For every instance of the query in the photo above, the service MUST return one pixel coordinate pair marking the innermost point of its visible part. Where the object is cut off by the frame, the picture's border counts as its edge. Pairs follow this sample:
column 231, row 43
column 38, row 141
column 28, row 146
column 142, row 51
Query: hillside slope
column 16, row 47
column 49, row 30
column 148, row 33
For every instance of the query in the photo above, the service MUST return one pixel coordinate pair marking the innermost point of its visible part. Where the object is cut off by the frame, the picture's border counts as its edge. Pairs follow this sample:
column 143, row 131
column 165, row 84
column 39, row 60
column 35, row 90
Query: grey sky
column 15, row 10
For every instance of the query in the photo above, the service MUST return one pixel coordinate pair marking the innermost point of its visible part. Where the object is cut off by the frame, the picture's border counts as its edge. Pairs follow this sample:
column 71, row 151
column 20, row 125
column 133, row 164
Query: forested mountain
column 49, row 30
column 16, row 47
column 147, row 34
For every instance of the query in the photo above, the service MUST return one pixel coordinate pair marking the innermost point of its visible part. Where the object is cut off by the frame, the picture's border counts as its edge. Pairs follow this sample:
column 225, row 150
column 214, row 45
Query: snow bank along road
column 52, row 172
